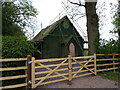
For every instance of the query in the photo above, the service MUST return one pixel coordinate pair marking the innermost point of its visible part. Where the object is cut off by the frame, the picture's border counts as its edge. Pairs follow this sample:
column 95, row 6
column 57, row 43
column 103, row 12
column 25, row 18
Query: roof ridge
column 44, row 32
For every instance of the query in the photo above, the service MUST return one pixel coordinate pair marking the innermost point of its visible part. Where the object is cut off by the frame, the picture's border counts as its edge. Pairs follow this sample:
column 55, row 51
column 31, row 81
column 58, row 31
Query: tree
column 108, row 46
column 92, row 25
column 16, row 16
column 116, row 22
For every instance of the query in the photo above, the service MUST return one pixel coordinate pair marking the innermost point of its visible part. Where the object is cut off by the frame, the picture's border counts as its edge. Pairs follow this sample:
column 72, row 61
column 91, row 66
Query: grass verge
column 110, row 75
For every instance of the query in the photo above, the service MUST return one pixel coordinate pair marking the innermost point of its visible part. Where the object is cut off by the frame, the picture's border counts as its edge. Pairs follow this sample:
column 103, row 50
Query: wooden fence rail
column 46, row 71
column 112, row 60
column 2, row 79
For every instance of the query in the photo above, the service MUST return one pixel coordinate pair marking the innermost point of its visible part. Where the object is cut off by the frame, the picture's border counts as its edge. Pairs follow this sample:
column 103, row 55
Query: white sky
column 49, row 9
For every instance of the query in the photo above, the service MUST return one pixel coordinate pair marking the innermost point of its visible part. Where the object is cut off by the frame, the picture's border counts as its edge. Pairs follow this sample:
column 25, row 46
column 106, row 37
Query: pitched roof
column 46, row 31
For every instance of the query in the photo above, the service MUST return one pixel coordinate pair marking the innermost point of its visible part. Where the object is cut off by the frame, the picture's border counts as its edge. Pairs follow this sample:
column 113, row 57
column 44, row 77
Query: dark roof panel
column 49, row 29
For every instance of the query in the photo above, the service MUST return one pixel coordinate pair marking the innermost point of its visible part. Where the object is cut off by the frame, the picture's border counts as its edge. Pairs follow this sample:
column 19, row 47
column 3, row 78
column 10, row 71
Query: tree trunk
column 92, row 26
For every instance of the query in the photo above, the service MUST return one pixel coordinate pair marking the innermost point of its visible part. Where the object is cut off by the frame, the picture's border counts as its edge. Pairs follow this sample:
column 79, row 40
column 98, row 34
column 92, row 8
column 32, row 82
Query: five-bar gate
column 47, row 71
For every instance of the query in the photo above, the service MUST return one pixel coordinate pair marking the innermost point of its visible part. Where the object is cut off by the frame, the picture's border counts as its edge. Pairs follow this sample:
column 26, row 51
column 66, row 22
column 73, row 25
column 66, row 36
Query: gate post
column 33, row 73
column 95, row 64
column 30, row 73
column 69, row 70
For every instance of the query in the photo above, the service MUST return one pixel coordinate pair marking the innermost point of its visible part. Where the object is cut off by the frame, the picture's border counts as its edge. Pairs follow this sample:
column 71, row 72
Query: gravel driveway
column 84, row 82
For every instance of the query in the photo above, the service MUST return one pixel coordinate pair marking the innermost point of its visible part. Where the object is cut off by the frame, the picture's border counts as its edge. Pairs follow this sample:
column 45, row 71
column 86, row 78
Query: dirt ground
column 84, row 82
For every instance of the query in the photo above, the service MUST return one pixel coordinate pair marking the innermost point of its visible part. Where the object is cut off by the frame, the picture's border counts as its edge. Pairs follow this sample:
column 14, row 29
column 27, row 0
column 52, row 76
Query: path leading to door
column 85, row 82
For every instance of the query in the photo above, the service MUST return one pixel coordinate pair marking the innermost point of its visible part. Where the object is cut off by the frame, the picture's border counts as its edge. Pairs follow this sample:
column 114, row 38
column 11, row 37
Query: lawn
column 110, row 75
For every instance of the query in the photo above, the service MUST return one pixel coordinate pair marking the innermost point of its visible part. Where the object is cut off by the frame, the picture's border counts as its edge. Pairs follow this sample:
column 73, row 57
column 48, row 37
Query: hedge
column 15, row 47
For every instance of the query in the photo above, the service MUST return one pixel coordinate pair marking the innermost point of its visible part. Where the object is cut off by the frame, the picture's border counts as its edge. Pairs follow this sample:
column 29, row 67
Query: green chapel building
column 59, row 40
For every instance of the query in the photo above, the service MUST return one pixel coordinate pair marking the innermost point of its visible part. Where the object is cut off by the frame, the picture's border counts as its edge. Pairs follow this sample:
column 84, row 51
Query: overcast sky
column 49, row 9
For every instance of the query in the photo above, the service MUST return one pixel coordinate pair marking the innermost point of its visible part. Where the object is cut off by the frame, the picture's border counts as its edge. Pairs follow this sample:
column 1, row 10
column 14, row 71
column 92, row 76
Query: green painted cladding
column 56, row 43
column 51, row 46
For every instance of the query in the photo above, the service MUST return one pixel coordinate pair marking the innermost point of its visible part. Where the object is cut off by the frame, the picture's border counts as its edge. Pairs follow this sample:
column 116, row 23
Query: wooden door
column 72, row 49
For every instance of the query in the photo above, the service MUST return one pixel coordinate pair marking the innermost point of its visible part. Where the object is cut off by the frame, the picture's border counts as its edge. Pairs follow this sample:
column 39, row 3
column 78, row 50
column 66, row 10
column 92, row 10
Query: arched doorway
column 72, row 49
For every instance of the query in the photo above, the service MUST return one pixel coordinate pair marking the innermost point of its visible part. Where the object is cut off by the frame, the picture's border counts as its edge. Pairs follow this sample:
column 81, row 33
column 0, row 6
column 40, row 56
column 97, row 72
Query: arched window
column 72, row 49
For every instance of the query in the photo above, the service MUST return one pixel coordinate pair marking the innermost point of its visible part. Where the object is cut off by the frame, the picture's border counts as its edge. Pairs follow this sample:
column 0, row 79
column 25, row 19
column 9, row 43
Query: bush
column 107, row 47
column 16, row 47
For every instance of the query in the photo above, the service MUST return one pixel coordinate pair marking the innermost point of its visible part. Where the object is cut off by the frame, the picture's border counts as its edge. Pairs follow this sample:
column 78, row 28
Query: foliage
column 116, row 21
column 110, row 46
column 110, row 75
column 16, row 47
column 16, row 16
column 107, row 47
column 12, row 30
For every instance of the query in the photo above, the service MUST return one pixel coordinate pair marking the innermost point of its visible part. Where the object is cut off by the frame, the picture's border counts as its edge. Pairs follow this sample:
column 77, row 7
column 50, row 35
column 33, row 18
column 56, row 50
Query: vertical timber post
column 30, row 73
column 26, row 72
column 95, row 64
column 29, row 58
column 113, row 63
column 69, row 70
column 33, row 73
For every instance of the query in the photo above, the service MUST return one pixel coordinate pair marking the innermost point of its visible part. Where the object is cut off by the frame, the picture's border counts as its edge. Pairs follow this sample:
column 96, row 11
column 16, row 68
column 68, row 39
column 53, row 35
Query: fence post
column 33, row 73
column 26, row 71
column 69, row 70
column 29, row 58
column 95, row 64
column 30, row 73
column 113, row 63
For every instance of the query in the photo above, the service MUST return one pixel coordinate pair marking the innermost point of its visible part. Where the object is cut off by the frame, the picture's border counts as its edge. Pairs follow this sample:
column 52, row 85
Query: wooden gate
column 84, row 66
column 47, row 71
